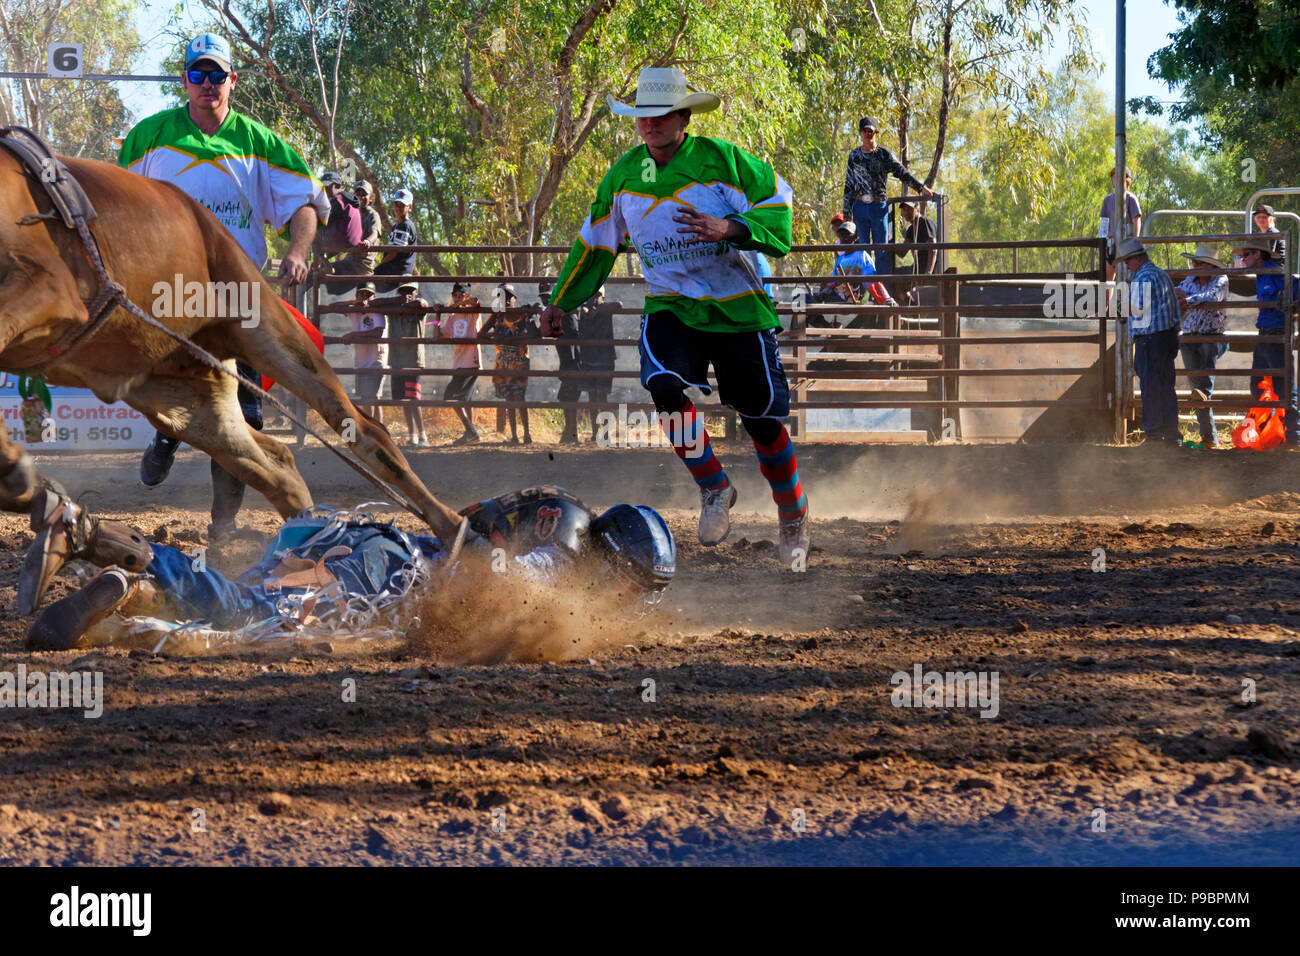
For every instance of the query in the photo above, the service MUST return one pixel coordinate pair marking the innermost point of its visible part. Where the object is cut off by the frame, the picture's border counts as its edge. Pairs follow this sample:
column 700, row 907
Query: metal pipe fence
column 911, row 354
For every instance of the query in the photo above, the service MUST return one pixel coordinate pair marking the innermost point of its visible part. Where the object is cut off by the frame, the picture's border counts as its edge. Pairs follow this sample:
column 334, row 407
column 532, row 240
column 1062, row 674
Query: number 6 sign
column 64, row 59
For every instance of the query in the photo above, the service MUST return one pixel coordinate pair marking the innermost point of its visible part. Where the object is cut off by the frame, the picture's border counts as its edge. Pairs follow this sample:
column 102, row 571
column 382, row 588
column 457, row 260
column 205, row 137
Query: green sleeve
column 770, row 217
column 593, row 254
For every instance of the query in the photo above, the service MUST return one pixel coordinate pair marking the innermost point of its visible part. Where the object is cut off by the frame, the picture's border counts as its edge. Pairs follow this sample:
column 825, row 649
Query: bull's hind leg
column 279, row 349
column 204, row 412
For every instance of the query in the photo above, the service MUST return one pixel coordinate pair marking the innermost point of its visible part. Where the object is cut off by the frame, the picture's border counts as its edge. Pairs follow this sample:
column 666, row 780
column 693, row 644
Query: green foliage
column 1238, row 65
column 1171, row 170
column 79, row 117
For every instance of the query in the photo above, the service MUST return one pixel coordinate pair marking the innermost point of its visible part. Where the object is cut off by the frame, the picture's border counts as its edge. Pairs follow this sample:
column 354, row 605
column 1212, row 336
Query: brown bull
column 150, row 232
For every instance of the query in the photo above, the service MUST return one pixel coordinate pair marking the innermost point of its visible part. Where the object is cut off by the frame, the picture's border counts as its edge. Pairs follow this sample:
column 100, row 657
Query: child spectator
column 405, row 357
column 402, row 233
column 361, row 261
column 461, row 325
column 511, row 330
column 369, row 354
column 856, row 263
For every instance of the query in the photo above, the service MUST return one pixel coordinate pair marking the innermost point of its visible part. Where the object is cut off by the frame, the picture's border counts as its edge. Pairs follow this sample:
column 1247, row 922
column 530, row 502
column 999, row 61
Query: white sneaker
column 715, row 523
column 794, row 538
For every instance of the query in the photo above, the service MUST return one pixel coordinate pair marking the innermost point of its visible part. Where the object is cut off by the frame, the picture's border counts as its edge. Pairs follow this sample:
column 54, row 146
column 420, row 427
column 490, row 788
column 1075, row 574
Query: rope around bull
column 113, row 293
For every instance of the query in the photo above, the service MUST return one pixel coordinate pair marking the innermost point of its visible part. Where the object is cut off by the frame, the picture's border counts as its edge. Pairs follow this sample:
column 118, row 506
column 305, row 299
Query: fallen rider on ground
column 321, row 563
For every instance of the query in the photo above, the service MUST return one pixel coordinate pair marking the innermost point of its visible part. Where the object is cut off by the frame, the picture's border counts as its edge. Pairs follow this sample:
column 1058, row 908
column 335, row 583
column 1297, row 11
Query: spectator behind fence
column 461, row 325
column 855, row 263
column 511, row 330
column 1132, row 225
column 338, row 236
column 404, row 357
column 919, row 229
column 595, row 321
column 1201, row 296
column 567, row 355
column 361, row 261
column 1270, row 279
column 402, row 233
column 369, row 354
column 866, row 181
column 1153, row 321
column 1266, row 221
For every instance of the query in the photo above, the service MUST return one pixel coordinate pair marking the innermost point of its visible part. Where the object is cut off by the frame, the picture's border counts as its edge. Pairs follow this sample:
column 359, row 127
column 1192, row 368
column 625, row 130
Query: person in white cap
column 250, row 178
column 1201, row 295
column 400, row 233
column 698, row 211
column 1153, row 322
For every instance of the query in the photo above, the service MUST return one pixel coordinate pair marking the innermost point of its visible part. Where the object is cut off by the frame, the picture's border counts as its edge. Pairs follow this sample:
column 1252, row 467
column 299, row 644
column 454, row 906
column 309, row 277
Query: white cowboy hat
column 1204, row 253
column 660, row 91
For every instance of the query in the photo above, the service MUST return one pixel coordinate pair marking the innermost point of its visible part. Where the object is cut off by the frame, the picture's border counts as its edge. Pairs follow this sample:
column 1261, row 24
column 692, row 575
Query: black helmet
column 636, row 542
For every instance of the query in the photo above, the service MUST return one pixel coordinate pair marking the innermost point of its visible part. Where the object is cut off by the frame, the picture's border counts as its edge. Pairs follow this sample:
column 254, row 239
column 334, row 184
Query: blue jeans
column 1203, row 355
column 869, row 217
column 1273, row 355
column 379, row 554
column 1153, row 360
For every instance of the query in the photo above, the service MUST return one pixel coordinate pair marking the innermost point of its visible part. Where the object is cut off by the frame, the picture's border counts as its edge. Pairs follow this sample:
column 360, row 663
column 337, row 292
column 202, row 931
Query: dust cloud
column 484, row 617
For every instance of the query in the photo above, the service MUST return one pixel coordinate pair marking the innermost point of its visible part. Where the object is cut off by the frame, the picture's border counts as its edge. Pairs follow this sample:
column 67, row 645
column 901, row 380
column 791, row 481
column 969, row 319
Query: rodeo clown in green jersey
column 698, row 211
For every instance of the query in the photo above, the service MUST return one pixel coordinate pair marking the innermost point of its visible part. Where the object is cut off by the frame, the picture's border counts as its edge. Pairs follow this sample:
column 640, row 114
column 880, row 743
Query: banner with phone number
column 81, row 421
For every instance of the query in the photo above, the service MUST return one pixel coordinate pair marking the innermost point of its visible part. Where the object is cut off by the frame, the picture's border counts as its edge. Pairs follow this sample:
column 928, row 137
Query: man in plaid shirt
column 1153, row 322
column 865, row 183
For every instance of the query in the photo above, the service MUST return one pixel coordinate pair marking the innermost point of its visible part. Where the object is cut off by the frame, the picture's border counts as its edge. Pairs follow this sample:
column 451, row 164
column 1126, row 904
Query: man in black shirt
column 919, row 229
column 865, row 179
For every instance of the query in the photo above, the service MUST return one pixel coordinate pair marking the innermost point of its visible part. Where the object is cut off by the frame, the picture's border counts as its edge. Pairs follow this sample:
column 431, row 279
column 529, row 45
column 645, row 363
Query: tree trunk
column 945, row 98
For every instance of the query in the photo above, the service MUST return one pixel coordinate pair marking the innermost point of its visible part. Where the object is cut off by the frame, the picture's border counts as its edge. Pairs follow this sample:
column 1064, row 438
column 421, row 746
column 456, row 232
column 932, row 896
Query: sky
column 1149, row 24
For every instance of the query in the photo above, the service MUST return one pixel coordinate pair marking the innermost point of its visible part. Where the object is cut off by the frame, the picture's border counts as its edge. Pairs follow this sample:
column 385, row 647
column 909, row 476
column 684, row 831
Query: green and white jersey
column 244, row 173
column 710, row 286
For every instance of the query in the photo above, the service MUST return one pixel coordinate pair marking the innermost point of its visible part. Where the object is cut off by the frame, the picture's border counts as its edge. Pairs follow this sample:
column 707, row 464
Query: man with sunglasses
column 248, row 177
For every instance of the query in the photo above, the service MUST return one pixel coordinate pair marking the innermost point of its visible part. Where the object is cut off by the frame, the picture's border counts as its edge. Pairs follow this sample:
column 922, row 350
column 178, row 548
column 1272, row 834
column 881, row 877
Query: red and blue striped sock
column 685, row 431
column 777, row 463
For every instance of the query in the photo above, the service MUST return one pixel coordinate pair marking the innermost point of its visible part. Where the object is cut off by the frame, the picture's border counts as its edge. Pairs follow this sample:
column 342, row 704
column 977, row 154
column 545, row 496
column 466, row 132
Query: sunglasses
column 198, row 76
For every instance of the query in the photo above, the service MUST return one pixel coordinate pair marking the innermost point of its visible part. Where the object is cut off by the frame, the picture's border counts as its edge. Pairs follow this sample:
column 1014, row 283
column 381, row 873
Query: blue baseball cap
column 208, row 46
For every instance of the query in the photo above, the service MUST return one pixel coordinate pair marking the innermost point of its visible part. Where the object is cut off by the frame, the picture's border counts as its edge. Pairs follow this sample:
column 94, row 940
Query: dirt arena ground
column 1121, row 735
